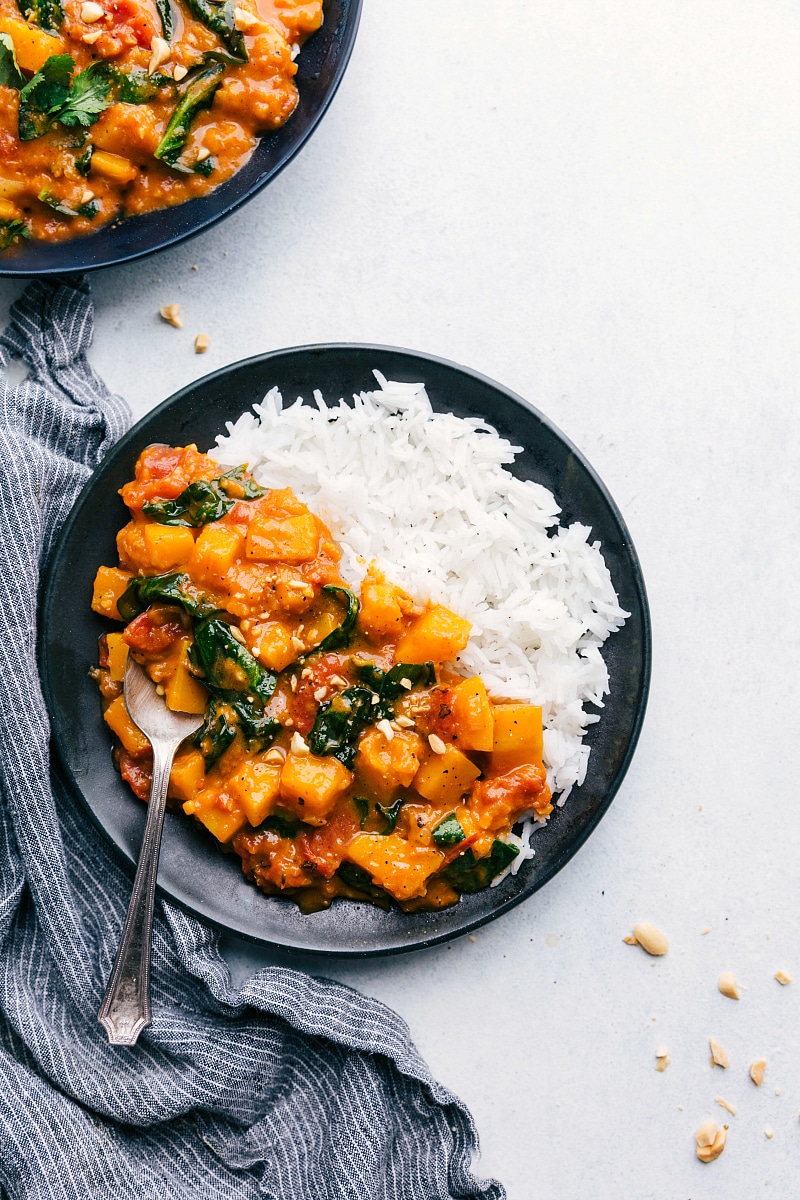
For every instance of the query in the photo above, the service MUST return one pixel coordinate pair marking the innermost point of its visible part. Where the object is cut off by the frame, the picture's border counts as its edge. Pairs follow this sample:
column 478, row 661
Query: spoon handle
column 125, row 1010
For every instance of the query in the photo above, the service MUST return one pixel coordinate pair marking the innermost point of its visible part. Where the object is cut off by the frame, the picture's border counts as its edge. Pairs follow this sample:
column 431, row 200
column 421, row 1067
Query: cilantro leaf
column 52, row 95
column 43, row 96
column 10, row 74
column 87, row 98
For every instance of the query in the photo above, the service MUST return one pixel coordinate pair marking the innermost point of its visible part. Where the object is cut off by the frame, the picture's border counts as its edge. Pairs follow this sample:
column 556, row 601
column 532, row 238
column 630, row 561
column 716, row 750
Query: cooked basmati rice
column 427, row 495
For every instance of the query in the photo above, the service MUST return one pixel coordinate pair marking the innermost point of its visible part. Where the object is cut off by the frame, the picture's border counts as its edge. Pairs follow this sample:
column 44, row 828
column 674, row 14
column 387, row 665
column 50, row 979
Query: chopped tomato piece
column 137, row 772
column 149, row 636
column 496, row 801
column 128, row 17
column 304, row 706
column 440, row 717
column 164, row 472
column 102, row 650
column 324, row 848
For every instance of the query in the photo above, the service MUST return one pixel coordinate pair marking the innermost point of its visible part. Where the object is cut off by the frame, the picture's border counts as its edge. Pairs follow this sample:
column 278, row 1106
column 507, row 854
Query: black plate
column 193, row 872
column 320, row 68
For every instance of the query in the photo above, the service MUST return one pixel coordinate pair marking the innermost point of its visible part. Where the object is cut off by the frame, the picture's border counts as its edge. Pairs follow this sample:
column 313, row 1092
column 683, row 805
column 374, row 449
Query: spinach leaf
column 391, row 814
column 83, row 162
column 44, row 96
column 47, row 14
column 362, row 808
column 227, row 665
column 173, row 588
column 361, row 881
column 90, row 209
column 449, row 833
column 368, row 673
column 196, row 96
column 258, row 730
column 10, row 74
column 388, row 683
column 234, row 484
column 134, row 85
column 165, row 13
column 285, row 827
column 11, row 232
column 221, row 20
column 413, row 673
column 227, row 714
column 342, row 635
column 470, row 874
column 216, row 733
column 205, row 167
column 339, row 723
column 201, row 502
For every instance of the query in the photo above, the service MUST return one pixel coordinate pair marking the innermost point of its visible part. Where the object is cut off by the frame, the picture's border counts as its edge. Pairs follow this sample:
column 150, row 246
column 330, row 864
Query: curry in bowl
column 113, row 108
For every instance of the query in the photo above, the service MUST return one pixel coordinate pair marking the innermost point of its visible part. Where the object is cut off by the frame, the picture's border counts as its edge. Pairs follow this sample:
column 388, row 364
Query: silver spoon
column 125, row 1010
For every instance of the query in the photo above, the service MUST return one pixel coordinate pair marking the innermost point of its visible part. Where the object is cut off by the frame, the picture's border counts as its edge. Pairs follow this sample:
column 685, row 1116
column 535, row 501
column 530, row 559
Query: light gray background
column 596, row 203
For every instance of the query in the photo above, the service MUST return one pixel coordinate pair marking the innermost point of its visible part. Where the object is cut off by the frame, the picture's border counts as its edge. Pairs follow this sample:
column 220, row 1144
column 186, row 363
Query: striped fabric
column 287, row 1087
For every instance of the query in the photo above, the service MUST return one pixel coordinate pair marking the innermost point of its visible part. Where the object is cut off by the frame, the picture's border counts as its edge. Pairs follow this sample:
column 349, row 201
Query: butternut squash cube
column 131, row 547
column 187, row 775
column 445, row 778
column 117, row 656
column 9, row 211
column 393, row 863
column 288, row 539
column 381, row 615
column 168, row 546
column 438, row 635
column 217, row 811
column 117, row 718
column 32, row 45
column 310, row 786
column 386, row 766
column 184, row 693
column 215, row 552
column 109, row 584
column 517, row 736
column 274, row 645
column 113, row 166
column 256, row 786
column 472, row 715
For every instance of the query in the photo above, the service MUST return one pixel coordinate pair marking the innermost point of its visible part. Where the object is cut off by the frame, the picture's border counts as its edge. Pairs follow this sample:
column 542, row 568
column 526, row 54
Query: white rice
column 427, row 495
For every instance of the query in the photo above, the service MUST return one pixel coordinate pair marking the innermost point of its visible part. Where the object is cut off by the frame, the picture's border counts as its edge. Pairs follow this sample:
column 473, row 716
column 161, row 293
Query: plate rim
column 563, row 856
column 9, row 269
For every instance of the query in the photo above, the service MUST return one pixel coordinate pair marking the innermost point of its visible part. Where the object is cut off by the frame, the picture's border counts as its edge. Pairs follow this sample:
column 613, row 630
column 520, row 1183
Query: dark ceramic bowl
column 192, row 871
column 321, row 65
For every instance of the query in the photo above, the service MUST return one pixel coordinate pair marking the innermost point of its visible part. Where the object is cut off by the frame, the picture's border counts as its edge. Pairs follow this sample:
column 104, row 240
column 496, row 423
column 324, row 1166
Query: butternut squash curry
column 109, row 108
column 339, row 755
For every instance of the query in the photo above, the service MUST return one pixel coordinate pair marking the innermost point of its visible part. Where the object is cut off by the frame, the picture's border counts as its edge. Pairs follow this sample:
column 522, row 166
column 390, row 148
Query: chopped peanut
column 718, row 1056
column 650, row 938
column 728, row 985
column 171, row 314
column 710, row 1141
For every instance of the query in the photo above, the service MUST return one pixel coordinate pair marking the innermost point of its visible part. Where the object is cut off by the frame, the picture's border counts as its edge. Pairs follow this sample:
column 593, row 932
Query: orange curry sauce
column 339, row 755
column 107, row 168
